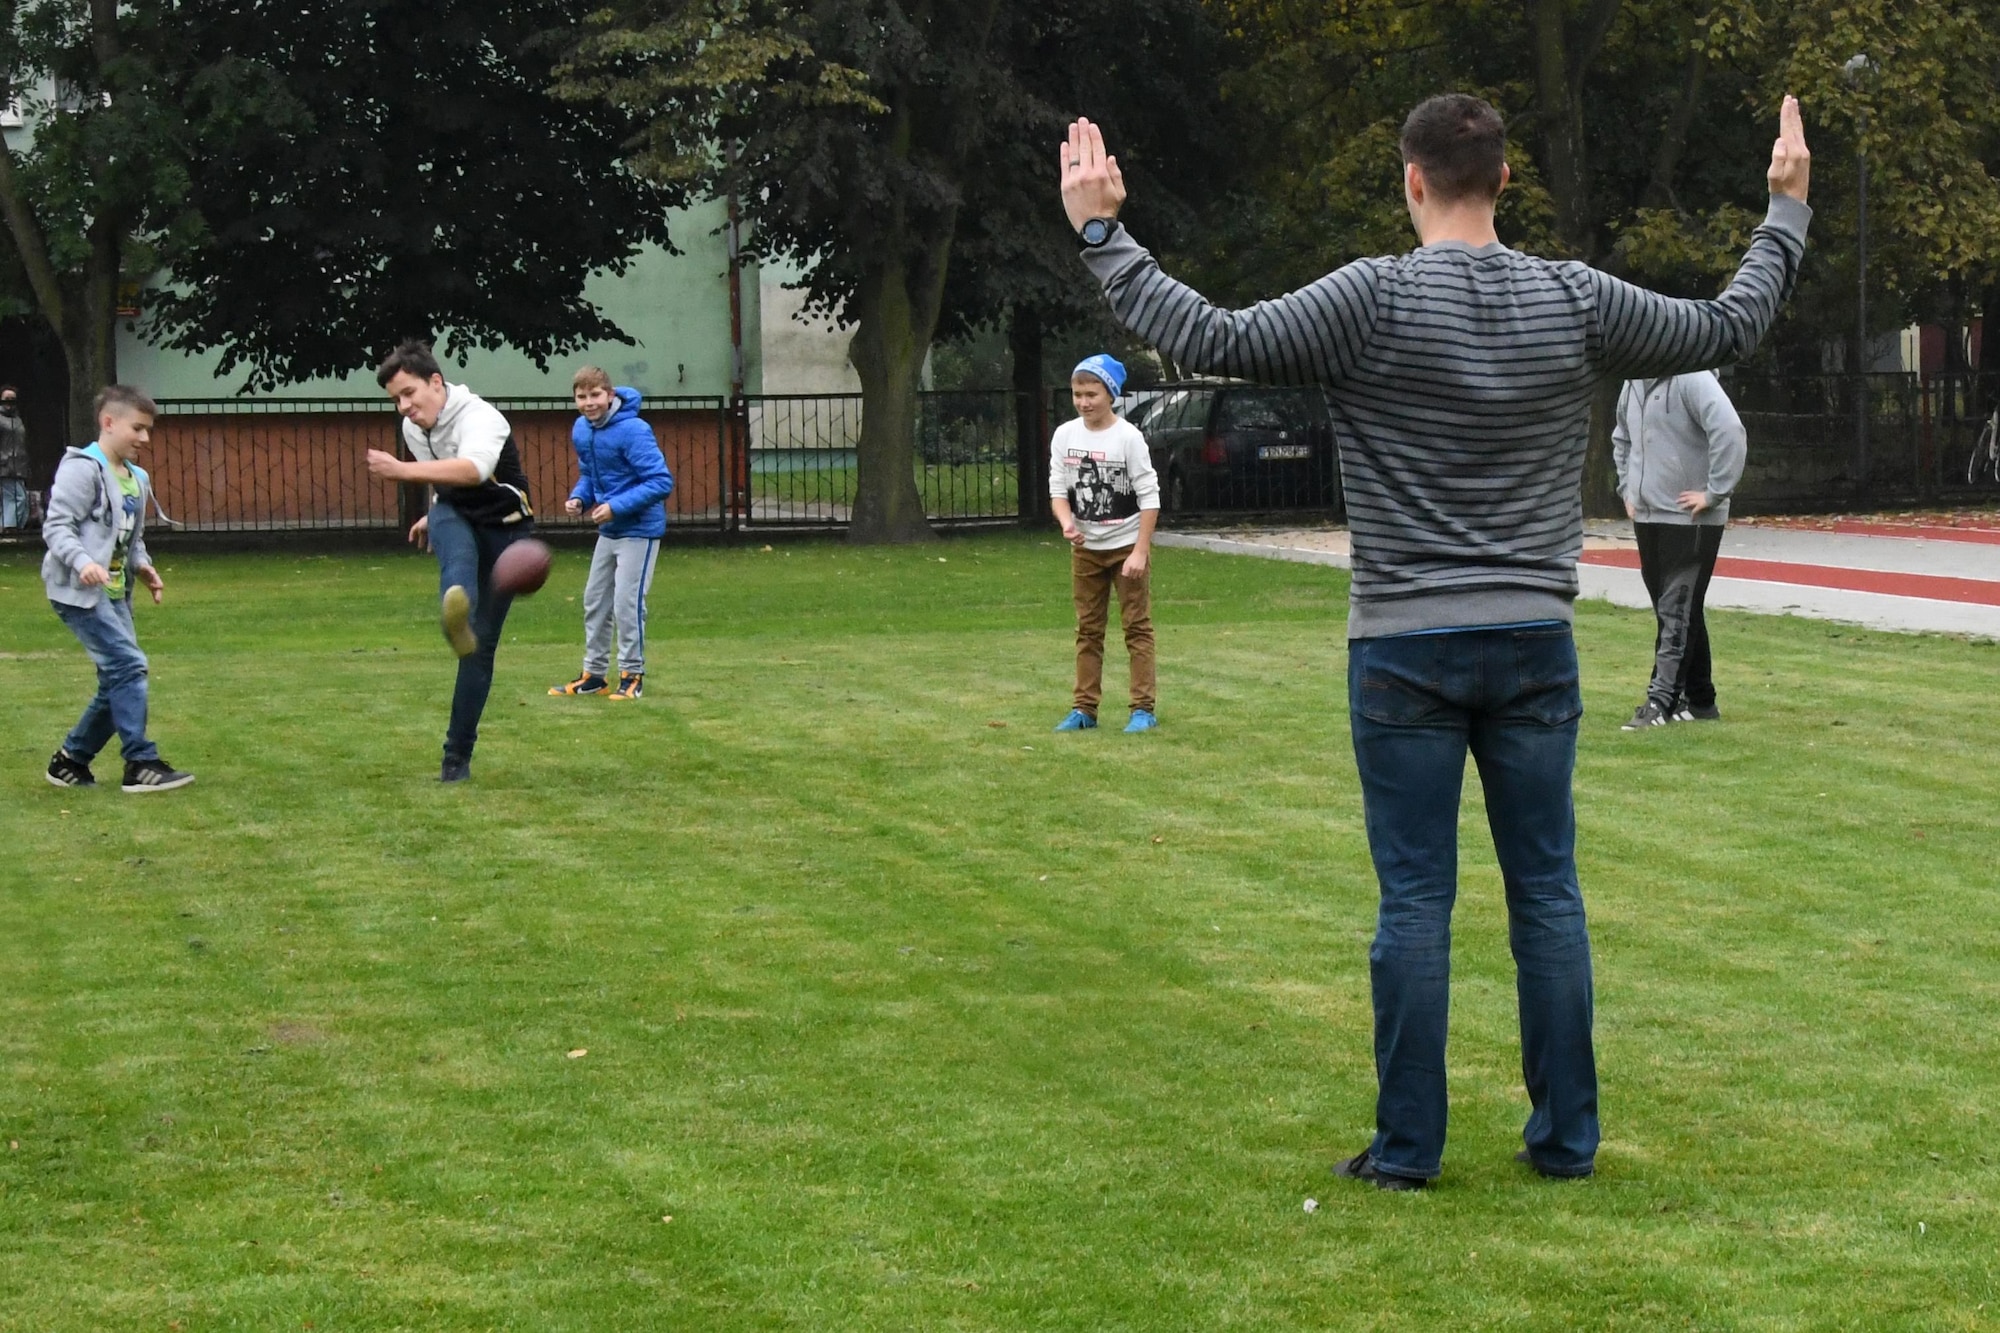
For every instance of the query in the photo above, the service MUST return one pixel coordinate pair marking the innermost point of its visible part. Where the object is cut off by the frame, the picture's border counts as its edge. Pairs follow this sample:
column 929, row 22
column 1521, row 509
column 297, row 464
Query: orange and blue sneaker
column 631, row 685
column 456, row 619
column 589, row 682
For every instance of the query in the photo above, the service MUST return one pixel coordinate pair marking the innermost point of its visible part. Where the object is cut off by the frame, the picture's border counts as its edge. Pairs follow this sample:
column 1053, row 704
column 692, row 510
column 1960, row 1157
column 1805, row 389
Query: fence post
column 1031, row 458
column 738, row 462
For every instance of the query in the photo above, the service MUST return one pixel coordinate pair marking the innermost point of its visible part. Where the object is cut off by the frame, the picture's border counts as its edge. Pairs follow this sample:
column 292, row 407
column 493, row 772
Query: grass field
column 911, row 1015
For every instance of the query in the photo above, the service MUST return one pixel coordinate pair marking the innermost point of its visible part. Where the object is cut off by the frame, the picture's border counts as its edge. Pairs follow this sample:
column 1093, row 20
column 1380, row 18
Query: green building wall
column 674, row 306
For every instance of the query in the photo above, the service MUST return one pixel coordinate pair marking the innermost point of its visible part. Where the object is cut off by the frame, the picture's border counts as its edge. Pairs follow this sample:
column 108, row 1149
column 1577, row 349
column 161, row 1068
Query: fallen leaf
column 579, row 1053
column 668, row 1218
column 1157, row 840
column 990, row 724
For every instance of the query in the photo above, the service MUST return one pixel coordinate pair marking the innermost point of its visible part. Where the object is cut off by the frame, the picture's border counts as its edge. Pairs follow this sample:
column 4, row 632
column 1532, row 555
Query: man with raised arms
column 1461, row 376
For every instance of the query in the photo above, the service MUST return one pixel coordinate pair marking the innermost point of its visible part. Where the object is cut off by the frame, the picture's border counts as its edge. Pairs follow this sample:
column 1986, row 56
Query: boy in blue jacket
column 623, row 483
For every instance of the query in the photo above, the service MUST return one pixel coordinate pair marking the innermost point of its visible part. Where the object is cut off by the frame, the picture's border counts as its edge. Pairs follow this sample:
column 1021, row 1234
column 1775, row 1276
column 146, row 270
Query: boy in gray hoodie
column 96, row 535
column 1679, row 447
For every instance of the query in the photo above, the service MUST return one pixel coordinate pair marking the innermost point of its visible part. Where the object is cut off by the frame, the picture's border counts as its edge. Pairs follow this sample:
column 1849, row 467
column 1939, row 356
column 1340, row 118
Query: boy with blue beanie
column 623, row 482
column 96, row 535
column 1106, row 496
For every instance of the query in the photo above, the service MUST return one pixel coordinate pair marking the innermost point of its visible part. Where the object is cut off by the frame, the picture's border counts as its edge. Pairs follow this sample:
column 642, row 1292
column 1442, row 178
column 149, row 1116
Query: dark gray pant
column 1677, row 560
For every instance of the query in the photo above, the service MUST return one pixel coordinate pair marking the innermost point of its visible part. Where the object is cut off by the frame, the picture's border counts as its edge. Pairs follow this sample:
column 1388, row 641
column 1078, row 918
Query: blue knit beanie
column 1105, row 368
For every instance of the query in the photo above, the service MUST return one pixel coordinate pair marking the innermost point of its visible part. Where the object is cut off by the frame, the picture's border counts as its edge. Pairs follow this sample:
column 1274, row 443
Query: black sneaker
column 66, row 770
column 1699, row 712
column 455, row 769
column 1362, row 1167
column 1647, row 714
column 587, row 682
column 150, row 775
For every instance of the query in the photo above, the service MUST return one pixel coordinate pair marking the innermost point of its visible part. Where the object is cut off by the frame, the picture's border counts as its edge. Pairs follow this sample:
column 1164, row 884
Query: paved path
column 1906, row 577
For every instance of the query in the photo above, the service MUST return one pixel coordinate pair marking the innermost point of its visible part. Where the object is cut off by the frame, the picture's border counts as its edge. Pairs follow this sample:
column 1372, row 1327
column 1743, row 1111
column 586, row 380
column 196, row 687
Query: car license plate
column 1281, row 451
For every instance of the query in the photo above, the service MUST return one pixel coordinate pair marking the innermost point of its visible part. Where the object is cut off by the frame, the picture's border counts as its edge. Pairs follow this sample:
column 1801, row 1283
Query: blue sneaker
column 1142, row 721
column 1078, row 720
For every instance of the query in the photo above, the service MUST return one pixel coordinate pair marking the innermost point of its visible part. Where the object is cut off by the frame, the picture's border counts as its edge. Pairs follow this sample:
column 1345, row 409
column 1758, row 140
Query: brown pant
column 1091, row 575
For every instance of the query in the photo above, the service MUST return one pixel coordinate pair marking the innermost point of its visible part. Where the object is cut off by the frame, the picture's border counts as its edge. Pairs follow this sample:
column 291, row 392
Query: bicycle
column 1986, row 453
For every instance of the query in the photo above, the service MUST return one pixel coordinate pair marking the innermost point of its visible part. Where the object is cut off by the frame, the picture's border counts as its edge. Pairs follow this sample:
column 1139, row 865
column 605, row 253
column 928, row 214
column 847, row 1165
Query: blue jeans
column 1418, row 703
column 119, row 707
column 13, row 503
column 465, row 555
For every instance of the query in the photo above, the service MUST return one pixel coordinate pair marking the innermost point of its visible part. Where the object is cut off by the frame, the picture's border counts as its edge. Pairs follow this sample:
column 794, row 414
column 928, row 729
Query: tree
column 377, row 170
column 101, row 173
column 309, row 184
column 901, row 151
column 1641, row 129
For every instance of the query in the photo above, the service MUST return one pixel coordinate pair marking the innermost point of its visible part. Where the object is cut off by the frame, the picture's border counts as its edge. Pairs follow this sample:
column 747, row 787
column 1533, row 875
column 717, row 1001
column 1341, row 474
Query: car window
column 1267, row 411
column 1194, row 415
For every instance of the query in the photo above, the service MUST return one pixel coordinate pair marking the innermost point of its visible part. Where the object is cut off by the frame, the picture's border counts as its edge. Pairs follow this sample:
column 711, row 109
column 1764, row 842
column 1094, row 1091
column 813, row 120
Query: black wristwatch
column 1097, row 231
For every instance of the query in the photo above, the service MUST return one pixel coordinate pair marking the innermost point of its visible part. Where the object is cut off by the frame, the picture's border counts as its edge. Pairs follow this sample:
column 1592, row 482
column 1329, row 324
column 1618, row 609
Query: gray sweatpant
column 621, row 574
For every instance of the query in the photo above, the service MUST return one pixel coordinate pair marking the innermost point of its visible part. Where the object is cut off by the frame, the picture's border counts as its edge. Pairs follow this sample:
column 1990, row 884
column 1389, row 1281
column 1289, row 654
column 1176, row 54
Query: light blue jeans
column 13, row 503
column 119, row 707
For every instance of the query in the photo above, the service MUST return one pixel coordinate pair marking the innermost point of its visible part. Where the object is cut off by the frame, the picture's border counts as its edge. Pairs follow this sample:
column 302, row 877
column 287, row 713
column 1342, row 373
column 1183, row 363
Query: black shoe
column 455, row 770
column 1699, row 712
column 66, row 770
column 1647, row 714
column 150, row 775
column 1362, row 1167
column 1524, row 1157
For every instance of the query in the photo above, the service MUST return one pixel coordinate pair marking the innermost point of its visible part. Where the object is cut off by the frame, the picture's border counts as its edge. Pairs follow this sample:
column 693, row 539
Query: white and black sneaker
column 1647, row 714
column 66, row 770
column 151, row 775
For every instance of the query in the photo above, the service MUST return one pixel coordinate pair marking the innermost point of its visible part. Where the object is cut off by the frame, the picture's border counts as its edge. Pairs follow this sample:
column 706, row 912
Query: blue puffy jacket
column 620, row 464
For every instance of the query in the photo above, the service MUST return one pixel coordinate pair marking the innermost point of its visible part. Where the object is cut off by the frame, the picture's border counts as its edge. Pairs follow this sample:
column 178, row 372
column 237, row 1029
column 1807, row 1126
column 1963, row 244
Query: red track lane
column 1929, row 531
column 1931, row 587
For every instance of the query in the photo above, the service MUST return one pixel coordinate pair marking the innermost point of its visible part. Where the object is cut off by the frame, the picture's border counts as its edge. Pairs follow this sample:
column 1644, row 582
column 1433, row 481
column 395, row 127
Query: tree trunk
column 89, row 330
column 890, row 340
column 1031, row 411
column 1559, row 109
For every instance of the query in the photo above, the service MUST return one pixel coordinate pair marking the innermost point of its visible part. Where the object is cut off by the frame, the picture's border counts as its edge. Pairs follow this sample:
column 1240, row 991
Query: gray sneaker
column 1647, row 714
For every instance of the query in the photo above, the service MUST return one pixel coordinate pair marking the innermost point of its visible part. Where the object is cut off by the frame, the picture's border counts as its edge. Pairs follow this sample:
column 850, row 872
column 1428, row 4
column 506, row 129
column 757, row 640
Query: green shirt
column 128, row 484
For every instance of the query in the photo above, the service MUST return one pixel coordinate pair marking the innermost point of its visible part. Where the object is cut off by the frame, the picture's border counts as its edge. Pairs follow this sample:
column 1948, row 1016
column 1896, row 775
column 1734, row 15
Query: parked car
column 1241, row 446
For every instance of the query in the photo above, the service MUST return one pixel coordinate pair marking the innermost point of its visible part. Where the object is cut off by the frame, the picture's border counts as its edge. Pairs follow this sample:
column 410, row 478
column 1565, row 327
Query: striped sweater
column 1460, row 379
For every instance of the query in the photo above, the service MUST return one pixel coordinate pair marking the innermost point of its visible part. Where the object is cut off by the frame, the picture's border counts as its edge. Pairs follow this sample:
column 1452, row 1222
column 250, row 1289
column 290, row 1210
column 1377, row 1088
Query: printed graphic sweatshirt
column 1107, row 476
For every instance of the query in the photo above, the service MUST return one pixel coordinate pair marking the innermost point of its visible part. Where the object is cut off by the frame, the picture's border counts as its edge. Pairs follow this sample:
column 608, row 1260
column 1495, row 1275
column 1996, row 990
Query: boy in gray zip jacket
column 1679, row 448
column 96, row 535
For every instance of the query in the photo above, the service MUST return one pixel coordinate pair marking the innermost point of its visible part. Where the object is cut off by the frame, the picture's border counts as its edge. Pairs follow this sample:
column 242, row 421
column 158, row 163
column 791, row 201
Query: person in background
column 13, row 462
column 1679, row 449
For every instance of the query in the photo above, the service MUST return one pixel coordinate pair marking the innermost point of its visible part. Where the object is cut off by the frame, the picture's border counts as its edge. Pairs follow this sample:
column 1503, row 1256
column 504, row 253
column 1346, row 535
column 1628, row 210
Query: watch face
column 1096, row 231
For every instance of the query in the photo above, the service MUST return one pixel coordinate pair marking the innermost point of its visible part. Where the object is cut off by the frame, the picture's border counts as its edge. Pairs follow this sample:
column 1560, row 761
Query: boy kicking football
column 623, row 483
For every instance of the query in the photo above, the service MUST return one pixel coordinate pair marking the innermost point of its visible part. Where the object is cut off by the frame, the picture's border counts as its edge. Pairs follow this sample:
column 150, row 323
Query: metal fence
column 233, row 465
column 1861, row 441
column 790, row 461
column 801, row 454
column 285, row 465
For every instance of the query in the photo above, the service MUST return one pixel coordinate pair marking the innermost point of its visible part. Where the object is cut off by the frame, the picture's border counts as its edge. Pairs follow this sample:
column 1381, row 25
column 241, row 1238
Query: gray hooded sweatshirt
column 1676, row 434
column 81, row 529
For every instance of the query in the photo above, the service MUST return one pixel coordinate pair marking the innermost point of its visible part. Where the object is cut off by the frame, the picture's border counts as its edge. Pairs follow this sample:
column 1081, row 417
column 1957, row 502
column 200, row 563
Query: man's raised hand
column 1092, row 186
column 1791, row 164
